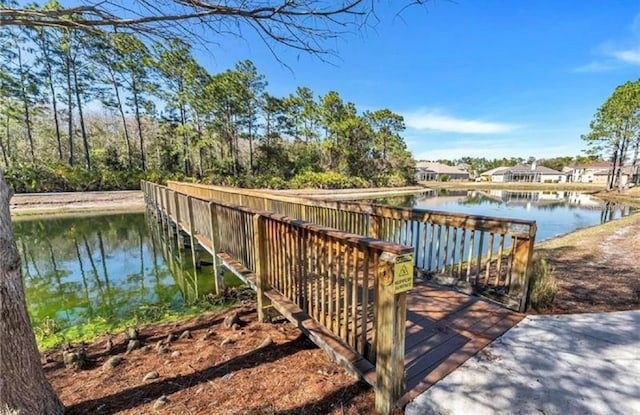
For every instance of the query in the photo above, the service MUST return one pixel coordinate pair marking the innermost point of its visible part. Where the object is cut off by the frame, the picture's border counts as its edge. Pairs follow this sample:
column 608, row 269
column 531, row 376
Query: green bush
column 543, row 285
column 391, row 180
column 326, row 180
column 273, row 182
column 33, row 178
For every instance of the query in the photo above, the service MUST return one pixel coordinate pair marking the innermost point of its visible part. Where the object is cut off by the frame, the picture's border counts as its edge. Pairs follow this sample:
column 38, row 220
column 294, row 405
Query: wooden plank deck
column 444, row 329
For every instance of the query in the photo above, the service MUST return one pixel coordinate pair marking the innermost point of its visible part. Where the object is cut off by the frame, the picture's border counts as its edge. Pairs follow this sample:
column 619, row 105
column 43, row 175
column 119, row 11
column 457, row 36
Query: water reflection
column 78, row 269
column 555, row 212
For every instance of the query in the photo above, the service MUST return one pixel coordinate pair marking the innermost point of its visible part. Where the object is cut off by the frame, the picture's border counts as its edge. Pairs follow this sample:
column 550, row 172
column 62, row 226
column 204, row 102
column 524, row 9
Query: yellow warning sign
column 403, row 274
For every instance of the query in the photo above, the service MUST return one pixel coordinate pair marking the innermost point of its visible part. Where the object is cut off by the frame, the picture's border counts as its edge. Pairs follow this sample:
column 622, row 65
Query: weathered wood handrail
column 490, row 255
column 345, row 282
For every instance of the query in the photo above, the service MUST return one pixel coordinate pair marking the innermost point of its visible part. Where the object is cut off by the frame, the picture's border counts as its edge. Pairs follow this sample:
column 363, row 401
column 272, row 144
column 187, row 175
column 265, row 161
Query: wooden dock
column 338, row 289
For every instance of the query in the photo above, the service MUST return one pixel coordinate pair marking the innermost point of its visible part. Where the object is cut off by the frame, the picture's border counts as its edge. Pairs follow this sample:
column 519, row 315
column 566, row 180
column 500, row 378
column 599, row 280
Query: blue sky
column 480, row 78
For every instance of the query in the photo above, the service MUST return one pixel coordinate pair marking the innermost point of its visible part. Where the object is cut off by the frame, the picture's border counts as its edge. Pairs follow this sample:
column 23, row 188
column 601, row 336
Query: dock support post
column 179, row 241
column 215, row 241
column 193, row 242
column 260, row 246
column 391, row 315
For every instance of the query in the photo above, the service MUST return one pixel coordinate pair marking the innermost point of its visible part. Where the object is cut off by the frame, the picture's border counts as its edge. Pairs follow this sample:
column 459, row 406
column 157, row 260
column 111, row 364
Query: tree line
column 94, row 109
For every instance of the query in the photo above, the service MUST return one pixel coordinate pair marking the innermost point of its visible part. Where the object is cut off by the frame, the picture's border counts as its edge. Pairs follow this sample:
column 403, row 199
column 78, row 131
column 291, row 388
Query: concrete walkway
column 569, row 364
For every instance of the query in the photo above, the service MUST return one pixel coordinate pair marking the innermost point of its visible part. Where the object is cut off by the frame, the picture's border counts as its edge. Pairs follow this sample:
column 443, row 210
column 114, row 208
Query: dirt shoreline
column 55, row 204
column 597, row 268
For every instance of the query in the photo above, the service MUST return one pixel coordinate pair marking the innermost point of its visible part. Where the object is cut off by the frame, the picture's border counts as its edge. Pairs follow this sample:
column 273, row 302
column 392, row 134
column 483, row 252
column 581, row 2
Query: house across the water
column 429, row 171
column 525, row 174
column 598, row 172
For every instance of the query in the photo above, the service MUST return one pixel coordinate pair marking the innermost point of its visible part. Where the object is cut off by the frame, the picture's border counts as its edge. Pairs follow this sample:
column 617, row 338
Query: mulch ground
column 226, row 371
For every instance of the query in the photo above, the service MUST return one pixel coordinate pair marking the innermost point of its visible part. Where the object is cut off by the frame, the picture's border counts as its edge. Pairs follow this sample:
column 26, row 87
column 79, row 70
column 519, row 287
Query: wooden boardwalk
column 442, row 328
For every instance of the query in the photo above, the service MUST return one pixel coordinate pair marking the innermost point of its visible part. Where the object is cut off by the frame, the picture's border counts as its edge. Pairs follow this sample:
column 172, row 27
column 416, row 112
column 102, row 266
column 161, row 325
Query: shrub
column 274, row 182
column 542, row 285
column 395, row 180
column 326, row 180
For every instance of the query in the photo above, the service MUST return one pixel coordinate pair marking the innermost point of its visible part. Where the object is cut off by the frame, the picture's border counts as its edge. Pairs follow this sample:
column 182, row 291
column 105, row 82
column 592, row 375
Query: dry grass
column 544, row 285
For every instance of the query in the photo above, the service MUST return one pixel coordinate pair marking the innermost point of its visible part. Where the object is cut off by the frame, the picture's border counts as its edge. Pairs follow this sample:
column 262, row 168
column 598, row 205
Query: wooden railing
column 488, row 255
column 346, row 283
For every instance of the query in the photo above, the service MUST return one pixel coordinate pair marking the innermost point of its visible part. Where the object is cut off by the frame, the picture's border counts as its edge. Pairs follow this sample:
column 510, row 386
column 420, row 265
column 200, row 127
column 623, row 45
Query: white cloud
column 594, row 66
column 613, row 54
column 630, row 56
column 437, row 121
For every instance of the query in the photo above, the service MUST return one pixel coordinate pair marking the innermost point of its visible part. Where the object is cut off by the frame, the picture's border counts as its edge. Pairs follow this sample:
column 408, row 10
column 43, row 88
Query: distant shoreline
column 30, row 205
column 578, row 187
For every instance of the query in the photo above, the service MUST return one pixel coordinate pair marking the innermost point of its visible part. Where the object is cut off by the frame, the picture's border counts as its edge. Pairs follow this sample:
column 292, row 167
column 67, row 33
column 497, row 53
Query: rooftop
column 439, row 168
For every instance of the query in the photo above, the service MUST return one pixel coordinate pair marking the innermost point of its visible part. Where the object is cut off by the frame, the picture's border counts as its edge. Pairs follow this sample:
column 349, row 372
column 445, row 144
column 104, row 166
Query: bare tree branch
column 297, row 24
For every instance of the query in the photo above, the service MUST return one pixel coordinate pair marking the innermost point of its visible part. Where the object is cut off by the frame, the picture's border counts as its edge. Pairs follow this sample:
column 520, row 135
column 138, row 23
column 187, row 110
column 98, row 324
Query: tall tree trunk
column 5, row 157
column 251, row 147
column 136, row 106
column 623, row 155
column 267, row 130
column 635, row 168
column 185, row 141
column 67, row 59
column 83, row 130
column 25, row 105
column 612, row 175
column 52, row 91
column 24, row 389
column 127, row 139
column 54, row 102
column 200, row 148
column 8, row 137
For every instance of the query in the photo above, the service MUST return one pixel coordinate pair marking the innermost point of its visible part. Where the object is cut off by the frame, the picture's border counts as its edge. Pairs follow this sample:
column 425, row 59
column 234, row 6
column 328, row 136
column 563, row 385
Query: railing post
column 215, row 240
column 176, row 198
column 391, row 315
column 192, row 241
column 260, row 246
column 523, row 257
column 375, row 226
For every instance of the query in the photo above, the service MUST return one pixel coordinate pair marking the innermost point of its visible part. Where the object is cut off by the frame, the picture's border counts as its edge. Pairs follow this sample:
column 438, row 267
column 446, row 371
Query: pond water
column 109, row 267
column 555, row 213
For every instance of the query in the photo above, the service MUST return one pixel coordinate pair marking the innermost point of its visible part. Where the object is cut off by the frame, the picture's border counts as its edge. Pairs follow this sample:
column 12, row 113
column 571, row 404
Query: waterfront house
column 525, row 174
column 428, row 171
column 598, row 172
